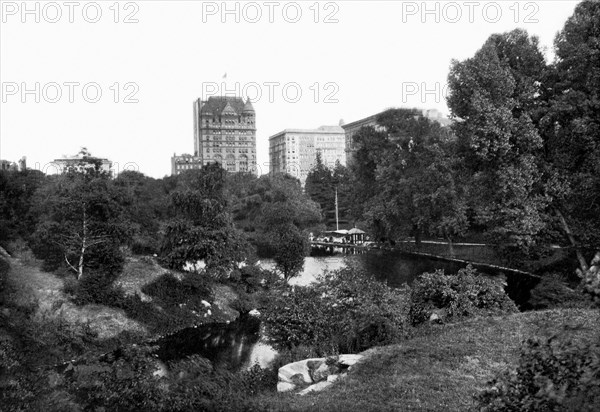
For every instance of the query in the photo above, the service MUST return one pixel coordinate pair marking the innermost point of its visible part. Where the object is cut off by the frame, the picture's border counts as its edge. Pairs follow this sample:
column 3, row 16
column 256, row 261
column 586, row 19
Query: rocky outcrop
column 591, row 279
column 316, row 374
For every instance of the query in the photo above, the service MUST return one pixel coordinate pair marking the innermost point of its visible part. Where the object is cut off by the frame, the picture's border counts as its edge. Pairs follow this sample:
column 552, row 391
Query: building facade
column 184, row 162
column 81, row 162
column 224, row 133
column 294, row 151
column 8, row 165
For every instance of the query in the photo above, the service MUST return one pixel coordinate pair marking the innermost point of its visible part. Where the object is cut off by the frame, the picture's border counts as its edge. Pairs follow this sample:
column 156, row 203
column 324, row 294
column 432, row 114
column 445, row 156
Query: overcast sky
column 358, row 58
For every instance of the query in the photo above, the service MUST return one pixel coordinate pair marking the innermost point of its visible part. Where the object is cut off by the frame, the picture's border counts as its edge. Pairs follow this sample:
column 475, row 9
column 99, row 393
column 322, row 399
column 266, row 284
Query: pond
column 236, row 345
column 240, row 344
column 394, row 268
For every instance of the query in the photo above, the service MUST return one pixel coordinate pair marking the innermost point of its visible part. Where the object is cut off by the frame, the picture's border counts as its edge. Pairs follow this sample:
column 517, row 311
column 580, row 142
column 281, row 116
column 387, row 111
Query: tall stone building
column 294, row 151
column 225, row 133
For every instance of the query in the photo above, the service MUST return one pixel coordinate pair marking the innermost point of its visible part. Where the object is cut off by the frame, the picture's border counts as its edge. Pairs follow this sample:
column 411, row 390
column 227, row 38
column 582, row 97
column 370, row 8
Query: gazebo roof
column 355, row 231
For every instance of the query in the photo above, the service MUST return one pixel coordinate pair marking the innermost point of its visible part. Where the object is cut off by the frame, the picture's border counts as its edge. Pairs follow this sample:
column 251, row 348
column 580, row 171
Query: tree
column 405, row 178
column 291, row 245
column 16, row 192
column 268, row 201
column 571, row 130
column 203, row 228
column 147, row 209
column 81, row 222
column 493, row 97
column 319, row 185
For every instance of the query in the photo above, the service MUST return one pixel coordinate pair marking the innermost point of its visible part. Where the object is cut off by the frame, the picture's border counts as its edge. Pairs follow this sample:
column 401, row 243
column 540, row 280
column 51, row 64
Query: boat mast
column 337, row 223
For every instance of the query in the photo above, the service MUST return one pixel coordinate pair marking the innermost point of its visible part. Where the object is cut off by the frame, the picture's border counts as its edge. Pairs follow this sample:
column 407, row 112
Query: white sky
column 378, row 54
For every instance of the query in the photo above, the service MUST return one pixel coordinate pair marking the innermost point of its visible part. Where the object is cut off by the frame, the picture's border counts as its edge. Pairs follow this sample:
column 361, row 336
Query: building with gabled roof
column 224, row 133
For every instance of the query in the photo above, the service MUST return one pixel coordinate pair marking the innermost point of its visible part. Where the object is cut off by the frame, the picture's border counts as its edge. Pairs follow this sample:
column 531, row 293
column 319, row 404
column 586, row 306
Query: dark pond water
column 235, row 345
column 238, row 345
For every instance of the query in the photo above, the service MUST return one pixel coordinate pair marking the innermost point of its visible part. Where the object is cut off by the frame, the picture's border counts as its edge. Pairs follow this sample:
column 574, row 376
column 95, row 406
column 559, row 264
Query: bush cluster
column 94, row 288
column 457, row 296
column 126, row 383
column 176, row 303
column 145, row 245
column 555, row 374
column 552, row 292
column 347, row 312
column 252, row 279
column 170, row 291
column 4, row 269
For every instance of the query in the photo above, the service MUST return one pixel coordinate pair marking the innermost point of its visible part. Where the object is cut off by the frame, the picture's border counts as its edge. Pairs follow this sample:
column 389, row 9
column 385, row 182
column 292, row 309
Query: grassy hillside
column 441, row 369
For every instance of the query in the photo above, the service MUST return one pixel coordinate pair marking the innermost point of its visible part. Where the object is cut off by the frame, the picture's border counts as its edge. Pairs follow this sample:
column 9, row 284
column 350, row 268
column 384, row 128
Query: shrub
column 552, row 374
column 94, row 288
column 4, row 269
column 145, row 245
column 170, row 291
column 347, row 312
column 457, row 296
column 253, row 279
column 244, row 303
column 124, row 381
column 552, row 292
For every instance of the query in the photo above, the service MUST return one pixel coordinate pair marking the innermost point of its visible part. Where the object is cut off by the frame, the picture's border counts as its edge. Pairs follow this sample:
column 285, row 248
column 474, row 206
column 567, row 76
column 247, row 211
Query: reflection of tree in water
column 397, row 268
column 226, row 345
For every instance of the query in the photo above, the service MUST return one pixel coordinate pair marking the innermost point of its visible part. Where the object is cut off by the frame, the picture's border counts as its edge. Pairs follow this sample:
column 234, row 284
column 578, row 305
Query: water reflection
column 395, row 268
column 226, row 345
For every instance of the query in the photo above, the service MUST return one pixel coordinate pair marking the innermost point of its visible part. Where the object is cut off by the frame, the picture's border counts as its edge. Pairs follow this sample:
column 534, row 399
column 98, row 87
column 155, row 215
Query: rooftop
column 232, row 105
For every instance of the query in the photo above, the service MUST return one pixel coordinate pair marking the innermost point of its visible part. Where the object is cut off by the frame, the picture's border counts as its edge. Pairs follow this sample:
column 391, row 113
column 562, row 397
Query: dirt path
column 44, row 290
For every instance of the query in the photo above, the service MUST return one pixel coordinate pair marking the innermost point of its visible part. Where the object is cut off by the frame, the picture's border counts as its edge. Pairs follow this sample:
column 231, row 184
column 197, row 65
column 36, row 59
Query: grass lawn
column 440, row 370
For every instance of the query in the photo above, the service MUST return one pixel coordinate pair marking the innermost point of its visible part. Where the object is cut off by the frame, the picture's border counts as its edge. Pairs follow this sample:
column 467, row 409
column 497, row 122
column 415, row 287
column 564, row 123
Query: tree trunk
column 451, row 247
column 418, row 238
column 83, row 245
column 583, row 266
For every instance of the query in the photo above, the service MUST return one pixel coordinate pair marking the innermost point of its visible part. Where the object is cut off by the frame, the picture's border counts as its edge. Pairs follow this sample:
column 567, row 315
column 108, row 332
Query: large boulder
column 301, row 368
column 316, row 372
column 285, row 386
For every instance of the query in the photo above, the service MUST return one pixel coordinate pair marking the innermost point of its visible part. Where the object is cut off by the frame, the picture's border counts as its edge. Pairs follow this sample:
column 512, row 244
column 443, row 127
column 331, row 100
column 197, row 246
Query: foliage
column 146, row 207
column 552, row 374
column 457, row 296
column 346, row 313
column 125, row 381
column 252, row 279
column 406, row 180
column 571, row 125
column 270, row 200
column 81, row 223
column 4, row 269
column 553, row 292
column 96, row 288
column 203, row 229
column 170, row 291
column 290, row 246
column 493, row 94
column 321, row 185
column 16, row 200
